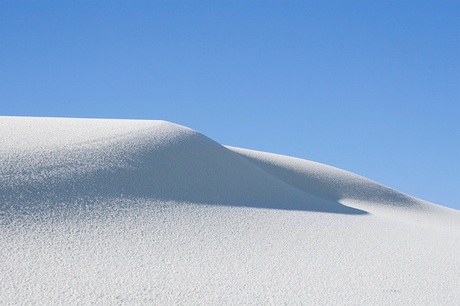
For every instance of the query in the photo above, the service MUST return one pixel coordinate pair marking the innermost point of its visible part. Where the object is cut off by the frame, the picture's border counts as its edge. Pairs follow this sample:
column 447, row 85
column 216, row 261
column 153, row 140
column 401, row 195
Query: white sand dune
column 137, row 212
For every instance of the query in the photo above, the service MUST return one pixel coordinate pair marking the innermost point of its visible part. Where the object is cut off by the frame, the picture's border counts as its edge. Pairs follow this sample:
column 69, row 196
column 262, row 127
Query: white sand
column 138, row 212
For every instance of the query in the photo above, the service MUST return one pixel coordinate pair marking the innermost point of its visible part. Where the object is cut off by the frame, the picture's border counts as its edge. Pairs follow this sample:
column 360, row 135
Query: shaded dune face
column 155, row 160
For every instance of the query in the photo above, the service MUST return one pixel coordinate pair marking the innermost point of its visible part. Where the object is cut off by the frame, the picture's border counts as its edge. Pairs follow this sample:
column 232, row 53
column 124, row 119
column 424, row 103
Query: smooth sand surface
column 137, row 212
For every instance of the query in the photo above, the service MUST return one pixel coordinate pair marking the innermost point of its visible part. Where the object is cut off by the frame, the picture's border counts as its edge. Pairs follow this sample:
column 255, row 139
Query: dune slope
column 140, row 212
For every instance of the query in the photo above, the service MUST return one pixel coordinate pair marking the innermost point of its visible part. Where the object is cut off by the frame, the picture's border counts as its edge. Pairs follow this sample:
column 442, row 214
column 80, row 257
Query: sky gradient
column 369, row 87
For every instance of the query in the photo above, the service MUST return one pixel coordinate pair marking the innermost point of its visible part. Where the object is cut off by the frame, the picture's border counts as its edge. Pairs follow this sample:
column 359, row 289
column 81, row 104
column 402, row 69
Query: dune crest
column 139, row 159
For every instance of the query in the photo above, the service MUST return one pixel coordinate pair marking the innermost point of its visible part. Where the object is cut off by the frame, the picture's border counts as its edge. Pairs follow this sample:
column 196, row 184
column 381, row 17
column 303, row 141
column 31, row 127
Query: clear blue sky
column 370, row 87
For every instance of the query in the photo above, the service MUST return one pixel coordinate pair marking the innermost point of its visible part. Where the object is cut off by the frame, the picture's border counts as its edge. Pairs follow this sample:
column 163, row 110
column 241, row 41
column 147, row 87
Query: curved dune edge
column 328, row 182
column 136, row 212
column 350, row 189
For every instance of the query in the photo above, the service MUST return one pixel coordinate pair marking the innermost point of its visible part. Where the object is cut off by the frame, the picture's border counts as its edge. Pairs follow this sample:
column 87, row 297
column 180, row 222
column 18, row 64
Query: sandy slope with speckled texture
column 137, row 212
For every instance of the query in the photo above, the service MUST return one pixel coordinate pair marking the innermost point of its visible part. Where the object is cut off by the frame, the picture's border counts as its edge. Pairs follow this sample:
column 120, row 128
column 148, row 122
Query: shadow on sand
column 195, row 170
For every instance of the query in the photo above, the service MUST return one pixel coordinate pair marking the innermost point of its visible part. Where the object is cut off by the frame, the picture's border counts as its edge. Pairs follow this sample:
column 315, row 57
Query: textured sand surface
column 135, row 212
